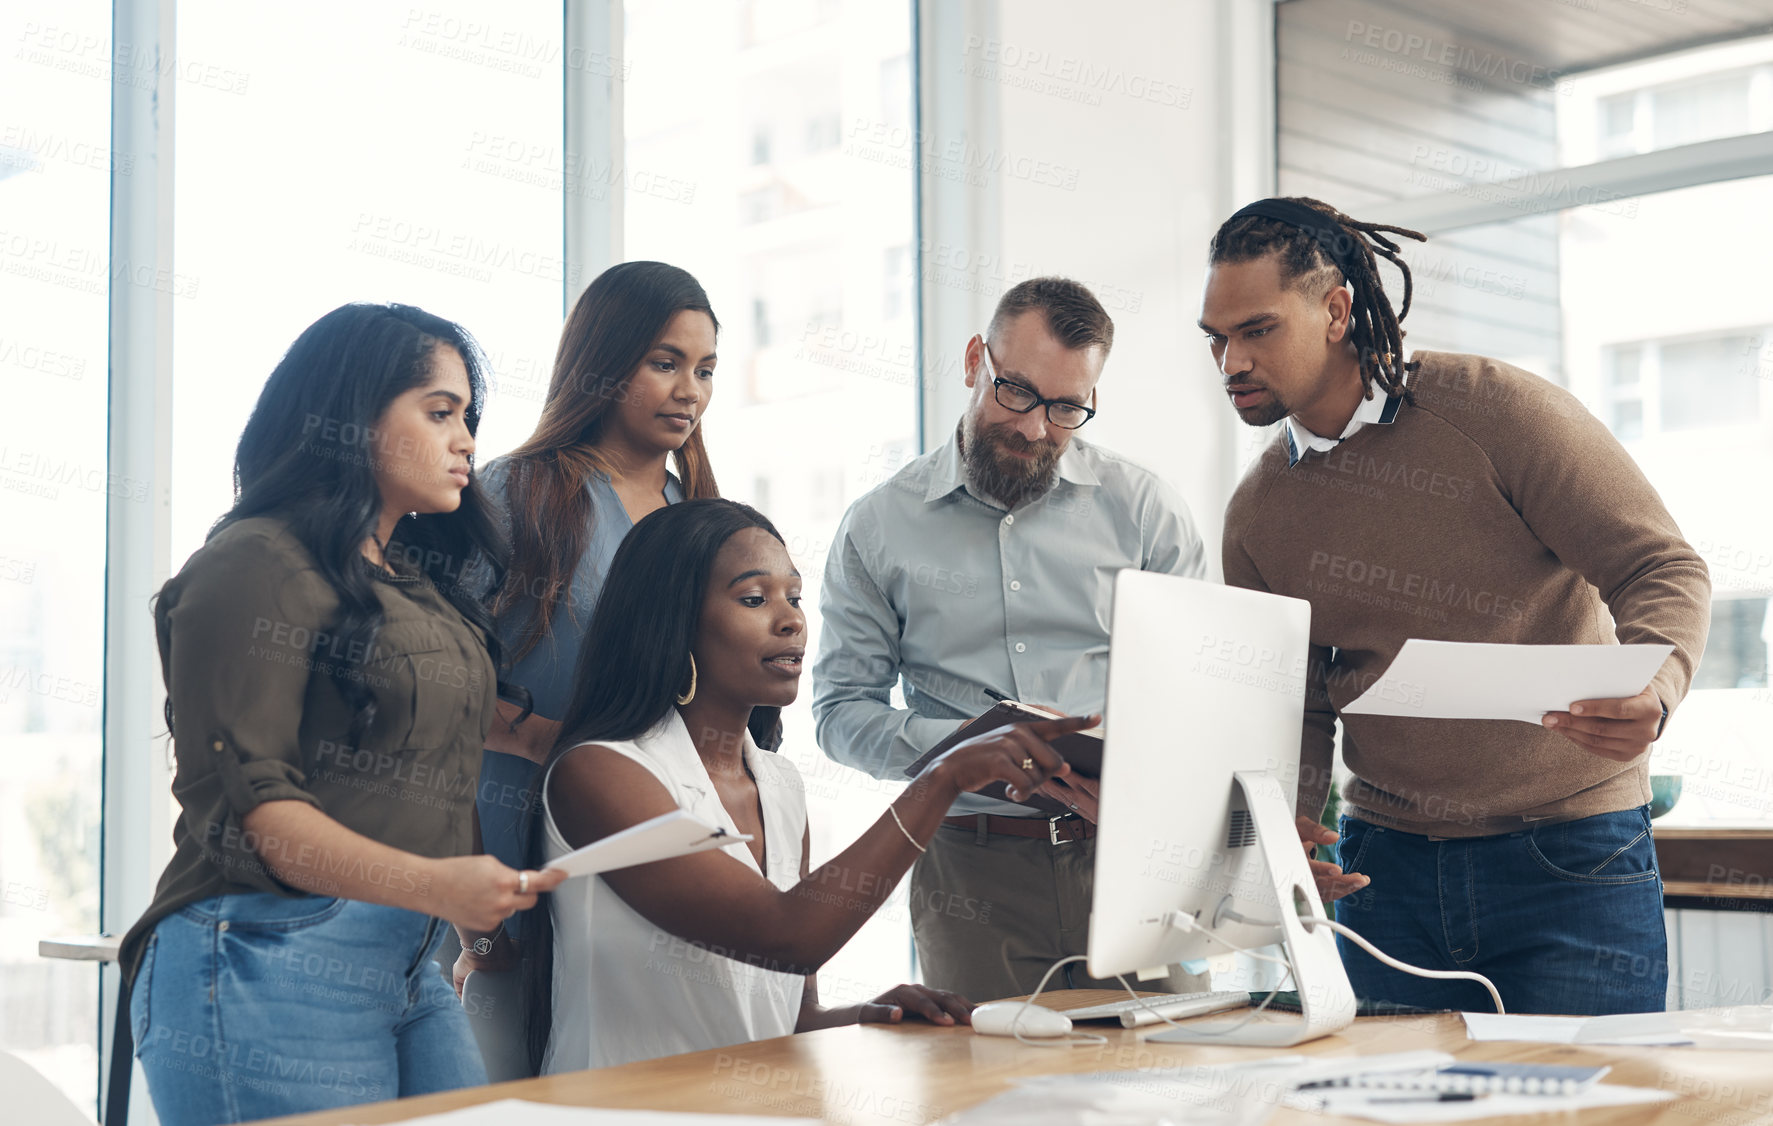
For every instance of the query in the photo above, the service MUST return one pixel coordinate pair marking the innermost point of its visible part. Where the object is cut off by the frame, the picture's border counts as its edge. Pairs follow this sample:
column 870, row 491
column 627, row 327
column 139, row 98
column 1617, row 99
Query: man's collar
column 1073, row 467
column 948, row 472
column 1380, row 410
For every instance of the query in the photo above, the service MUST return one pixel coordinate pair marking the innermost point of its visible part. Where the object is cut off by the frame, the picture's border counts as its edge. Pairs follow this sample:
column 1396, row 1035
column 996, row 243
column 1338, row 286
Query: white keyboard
column 1136, row 1013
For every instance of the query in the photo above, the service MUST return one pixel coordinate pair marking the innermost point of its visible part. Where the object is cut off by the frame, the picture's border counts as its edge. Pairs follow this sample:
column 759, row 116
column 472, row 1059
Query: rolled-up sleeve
column 240, row 631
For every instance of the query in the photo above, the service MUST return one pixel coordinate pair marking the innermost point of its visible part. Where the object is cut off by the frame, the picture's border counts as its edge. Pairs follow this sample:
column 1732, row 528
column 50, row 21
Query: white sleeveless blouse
column 625, row 990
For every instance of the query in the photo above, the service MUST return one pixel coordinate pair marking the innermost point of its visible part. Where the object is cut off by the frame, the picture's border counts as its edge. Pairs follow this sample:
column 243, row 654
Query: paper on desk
column 661, row 838
column 1120, row 1099
column 1267, row 1073
column 1732, row 1027
column 1480, row 680
column 1627, row 1028
column 1356, row 1103
column 520, row 1112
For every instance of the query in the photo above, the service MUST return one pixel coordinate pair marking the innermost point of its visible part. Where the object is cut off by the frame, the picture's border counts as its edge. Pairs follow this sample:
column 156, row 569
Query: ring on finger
column 1027, row 762
column 523, row 883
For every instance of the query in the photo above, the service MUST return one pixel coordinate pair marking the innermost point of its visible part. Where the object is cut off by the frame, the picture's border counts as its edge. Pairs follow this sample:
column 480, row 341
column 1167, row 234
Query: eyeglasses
column 1063, row 413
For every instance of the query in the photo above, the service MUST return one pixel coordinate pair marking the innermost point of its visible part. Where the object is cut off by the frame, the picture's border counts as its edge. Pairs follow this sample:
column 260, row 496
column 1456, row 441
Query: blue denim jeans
column 1565, row 918
column 257, row 1005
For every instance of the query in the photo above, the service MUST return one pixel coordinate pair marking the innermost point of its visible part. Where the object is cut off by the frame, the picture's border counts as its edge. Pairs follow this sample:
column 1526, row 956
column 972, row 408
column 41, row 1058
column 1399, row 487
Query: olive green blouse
column 247, row 652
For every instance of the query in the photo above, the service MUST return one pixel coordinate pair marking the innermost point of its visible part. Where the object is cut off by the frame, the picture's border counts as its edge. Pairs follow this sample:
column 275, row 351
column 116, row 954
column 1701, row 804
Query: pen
column 998, row 696
column 1441, row 1097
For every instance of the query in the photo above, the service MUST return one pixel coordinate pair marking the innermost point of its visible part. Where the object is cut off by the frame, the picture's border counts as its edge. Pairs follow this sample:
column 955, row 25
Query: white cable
column 1148, row 1003
column 1440, row 975
column 1067, row 1042
column 1183, row 921
column 1309, row 921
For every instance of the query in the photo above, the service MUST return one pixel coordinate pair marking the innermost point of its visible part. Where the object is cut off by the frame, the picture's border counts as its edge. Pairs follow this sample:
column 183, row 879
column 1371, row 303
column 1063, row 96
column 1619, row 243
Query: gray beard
column 1009, row 486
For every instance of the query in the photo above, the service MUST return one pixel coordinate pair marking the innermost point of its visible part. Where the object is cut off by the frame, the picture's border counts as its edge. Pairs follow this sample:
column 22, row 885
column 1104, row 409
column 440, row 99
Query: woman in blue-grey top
column 632, row 378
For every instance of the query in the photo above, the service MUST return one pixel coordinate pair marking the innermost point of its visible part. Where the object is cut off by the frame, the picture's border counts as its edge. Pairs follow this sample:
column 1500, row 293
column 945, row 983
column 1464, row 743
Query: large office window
column 1508, row 133
column 361, row 153
column 1678, row 372
column 754, row 161
column 55, row 271
column 332, row 152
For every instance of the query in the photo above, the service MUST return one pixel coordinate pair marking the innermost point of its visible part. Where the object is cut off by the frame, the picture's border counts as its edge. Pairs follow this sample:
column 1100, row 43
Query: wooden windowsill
column 1716, row 868
column 1683, row 889
column 1711, row 833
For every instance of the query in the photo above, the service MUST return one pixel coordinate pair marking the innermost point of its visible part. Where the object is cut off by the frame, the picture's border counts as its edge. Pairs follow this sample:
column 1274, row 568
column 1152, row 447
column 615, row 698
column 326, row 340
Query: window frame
column 1648, row 390
column 135, row 817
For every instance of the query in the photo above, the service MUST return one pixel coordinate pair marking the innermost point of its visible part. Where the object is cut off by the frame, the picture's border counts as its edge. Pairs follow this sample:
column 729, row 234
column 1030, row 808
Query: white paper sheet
column 1124, row 1099
column 520, row 1112
column 1630, row 1028
column 1479, row 680
column 667, row 835
column 1358, row 1104
column 1634, row 1028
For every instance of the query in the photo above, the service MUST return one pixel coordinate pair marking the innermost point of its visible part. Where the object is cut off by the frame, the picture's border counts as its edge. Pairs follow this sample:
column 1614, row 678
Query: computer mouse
column 1011, row 1018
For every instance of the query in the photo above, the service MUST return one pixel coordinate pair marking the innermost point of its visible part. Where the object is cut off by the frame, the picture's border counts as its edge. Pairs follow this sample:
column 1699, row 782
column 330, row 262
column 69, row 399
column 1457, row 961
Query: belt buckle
column 1053, row 829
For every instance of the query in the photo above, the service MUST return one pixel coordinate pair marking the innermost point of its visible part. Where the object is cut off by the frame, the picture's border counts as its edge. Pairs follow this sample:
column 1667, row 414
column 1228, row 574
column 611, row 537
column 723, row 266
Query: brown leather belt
column 1057, row 830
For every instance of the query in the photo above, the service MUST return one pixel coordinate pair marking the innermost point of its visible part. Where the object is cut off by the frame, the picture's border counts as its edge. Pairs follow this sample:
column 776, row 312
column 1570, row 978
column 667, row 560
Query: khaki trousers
column 991, row 913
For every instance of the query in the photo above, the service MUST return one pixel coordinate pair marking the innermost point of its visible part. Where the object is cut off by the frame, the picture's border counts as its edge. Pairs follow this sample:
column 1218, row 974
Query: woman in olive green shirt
column 329, row 686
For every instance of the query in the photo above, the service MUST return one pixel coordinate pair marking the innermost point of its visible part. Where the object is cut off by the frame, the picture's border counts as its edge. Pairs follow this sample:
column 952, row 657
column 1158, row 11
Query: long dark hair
column 306, row 456
column 634, row 663
column 613, row 325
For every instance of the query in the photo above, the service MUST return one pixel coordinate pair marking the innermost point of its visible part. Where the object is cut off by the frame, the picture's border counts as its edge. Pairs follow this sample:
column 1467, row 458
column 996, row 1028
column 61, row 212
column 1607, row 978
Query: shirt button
column 1021, row 648
column 1014, row 585
column 1009, row 520
column 216, row 746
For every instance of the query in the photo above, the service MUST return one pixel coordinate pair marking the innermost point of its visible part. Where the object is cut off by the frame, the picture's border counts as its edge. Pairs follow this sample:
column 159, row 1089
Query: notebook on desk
column 1082, row 749
column 1480, row 1077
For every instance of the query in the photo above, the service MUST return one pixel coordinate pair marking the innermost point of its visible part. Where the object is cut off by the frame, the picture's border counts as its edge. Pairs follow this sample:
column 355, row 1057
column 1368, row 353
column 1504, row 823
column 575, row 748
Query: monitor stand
column 1324, row 991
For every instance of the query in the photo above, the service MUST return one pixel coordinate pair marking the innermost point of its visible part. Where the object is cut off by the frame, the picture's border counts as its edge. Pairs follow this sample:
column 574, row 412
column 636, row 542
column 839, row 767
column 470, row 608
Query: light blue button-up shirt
column 931, row 586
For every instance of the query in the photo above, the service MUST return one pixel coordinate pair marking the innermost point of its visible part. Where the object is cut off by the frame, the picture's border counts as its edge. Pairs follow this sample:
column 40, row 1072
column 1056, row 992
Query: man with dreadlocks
column 1457, row 498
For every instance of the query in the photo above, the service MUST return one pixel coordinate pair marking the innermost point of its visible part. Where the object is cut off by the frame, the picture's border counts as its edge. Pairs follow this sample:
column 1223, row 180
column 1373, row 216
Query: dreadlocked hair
column 1378, row 339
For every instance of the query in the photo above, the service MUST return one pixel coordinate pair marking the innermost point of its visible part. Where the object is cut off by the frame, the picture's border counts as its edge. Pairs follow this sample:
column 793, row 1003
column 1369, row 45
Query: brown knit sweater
column 1494, row 508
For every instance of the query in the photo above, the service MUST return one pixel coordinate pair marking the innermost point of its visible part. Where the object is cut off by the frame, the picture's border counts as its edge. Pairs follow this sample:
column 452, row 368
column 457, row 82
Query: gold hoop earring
column 691, row 694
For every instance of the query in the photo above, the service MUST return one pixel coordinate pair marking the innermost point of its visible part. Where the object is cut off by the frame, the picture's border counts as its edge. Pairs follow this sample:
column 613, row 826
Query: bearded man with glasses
column 985, row 570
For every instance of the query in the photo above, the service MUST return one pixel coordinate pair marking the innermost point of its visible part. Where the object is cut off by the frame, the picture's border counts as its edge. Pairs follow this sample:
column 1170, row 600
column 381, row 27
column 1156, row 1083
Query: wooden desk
column 917, row 1073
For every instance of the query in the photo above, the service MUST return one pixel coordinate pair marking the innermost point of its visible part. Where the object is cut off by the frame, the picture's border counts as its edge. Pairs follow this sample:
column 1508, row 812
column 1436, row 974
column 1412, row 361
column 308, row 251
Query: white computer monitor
column 1206, row 689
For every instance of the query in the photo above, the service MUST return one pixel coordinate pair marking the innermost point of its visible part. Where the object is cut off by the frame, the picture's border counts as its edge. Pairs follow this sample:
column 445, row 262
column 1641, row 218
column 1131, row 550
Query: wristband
column 483, row 945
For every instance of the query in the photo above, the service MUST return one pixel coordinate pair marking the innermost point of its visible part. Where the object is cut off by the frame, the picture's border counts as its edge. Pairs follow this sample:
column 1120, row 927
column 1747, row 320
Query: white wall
column 1106, row 145
column 1718, row 959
